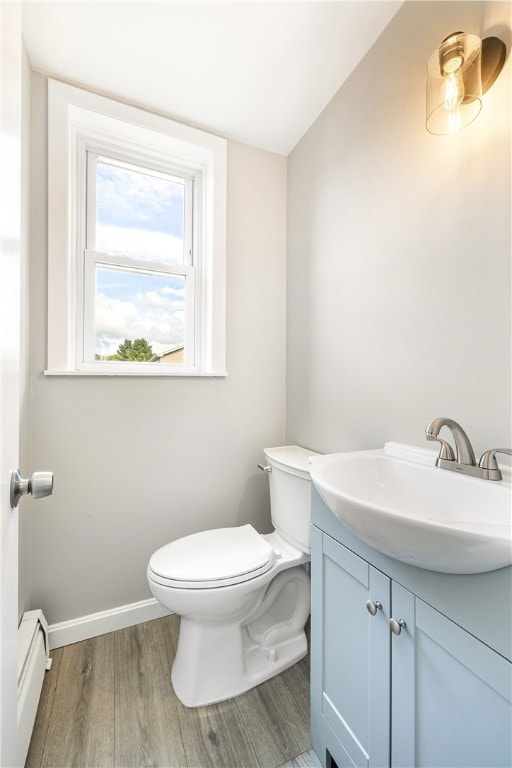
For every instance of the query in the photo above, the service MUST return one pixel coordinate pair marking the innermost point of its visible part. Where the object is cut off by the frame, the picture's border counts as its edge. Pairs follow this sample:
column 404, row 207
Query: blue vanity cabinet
column 430, row 697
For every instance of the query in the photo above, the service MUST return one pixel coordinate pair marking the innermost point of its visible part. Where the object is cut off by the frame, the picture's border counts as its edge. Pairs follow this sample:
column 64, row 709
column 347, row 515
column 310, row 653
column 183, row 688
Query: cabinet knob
column 373, row 607
column 396, row 625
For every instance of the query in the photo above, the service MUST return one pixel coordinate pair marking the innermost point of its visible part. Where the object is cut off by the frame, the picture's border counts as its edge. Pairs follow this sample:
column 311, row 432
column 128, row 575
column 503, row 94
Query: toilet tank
column 290, row 493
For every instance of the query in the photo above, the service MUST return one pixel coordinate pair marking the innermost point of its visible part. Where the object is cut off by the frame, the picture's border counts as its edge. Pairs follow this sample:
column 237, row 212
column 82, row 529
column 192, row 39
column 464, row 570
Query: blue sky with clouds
column 126, row 198
column 140, row 216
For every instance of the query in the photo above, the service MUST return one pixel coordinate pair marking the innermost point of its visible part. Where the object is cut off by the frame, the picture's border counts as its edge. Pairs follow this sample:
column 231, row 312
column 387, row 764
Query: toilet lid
column 213, row 558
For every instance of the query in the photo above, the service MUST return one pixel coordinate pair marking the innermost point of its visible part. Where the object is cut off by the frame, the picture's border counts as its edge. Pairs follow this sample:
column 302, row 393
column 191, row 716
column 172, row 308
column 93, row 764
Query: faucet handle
column 488, row 459
column 446, row 451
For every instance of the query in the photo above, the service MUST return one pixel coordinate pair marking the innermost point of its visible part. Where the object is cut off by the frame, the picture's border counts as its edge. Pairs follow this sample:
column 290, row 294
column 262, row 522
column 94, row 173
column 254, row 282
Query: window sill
column 142, row 374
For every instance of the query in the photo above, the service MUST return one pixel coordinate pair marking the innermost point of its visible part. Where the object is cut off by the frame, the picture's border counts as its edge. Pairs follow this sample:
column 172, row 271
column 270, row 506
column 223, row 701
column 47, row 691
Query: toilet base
column 264, row 663
column 195, row 687
column 217, row 661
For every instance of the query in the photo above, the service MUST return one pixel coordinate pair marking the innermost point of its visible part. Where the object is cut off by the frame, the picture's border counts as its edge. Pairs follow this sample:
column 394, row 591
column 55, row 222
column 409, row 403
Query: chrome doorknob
column 39, row 485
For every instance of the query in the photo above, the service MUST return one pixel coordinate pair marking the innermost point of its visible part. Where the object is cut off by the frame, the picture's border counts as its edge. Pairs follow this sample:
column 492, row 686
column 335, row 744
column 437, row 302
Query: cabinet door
column 350, row 653
column 451, row 694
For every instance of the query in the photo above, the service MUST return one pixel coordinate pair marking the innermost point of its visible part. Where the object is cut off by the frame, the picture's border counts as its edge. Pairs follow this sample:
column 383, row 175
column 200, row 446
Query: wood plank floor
column 108, row 702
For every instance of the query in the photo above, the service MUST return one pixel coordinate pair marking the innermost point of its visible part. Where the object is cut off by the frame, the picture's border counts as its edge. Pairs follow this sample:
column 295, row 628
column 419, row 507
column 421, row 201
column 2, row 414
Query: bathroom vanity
column 431, row 690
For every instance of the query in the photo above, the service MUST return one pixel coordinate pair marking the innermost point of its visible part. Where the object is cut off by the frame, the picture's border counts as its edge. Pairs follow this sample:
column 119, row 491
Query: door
column 10, row 236
column 451, row 693
column 351, row 652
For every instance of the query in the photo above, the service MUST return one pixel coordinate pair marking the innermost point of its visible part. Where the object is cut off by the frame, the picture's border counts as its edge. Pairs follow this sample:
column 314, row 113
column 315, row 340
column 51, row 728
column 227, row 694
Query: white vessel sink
column 398, row 502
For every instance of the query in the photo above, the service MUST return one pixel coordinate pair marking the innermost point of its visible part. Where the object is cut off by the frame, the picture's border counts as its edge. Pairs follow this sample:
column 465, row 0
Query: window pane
column 140, row 316
column 138, row 214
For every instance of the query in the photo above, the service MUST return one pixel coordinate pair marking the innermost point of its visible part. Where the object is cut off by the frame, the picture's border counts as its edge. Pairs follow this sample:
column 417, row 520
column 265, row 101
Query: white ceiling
column 259, row 72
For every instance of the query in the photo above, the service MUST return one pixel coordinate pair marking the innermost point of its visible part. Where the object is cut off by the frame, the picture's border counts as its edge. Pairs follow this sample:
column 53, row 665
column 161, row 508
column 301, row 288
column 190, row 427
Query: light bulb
column 454, row 121
column 453, row 90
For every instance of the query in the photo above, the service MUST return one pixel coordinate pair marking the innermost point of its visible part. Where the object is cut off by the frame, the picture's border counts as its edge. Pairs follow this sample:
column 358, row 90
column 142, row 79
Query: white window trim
column 79, row 120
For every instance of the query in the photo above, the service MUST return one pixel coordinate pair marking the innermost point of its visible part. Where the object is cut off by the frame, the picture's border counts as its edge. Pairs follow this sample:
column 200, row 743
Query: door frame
column 10, row 261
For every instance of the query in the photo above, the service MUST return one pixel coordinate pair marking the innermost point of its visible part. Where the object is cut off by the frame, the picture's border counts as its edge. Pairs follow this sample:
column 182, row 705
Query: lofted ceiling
column 259, row 72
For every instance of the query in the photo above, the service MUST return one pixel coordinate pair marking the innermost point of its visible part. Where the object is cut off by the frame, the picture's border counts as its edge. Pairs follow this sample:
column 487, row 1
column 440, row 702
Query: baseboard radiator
column 33, row 660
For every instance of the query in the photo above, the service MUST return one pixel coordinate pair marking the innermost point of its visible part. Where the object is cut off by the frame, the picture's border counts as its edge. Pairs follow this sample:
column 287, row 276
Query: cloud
column 171, row 299
column 174, row 291
column 152, row 299
column 139, row 243
column 126, row 197
column 151, row 317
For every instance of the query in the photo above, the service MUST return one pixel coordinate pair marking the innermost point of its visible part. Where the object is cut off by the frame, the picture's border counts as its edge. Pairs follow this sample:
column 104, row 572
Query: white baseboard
column 84, row 627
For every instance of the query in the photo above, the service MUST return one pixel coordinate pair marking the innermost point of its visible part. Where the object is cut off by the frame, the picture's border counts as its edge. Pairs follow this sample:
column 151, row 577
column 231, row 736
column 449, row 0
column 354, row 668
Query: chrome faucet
column 463, row 460
column 464, row 450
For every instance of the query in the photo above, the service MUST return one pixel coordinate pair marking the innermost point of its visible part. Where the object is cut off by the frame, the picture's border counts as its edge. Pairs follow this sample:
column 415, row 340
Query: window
column 136, row 241
column 139, row 265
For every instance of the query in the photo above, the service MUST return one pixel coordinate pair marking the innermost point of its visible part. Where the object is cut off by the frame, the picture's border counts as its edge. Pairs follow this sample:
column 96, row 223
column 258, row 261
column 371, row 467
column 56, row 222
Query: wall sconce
column 459, row 72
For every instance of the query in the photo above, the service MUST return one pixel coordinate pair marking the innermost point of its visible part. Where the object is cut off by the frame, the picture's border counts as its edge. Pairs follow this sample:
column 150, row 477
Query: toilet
column 243, row 597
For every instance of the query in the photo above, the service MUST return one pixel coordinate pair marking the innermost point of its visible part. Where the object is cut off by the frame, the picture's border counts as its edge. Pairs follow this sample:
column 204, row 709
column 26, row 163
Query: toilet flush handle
column 268, row 468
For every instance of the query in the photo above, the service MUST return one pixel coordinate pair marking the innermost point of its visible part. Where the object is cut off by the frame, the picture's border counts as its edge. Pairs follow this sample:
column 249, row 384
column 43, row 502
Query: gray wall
column 398, row 296
column 139, row 462
column 398, row 310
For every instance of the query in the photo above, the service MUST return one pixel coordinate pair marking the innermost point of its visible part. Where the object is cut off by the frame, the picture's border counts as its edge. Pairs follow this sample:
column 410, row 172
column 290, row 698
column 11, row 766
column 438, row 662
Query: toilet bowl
column 243, row 597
